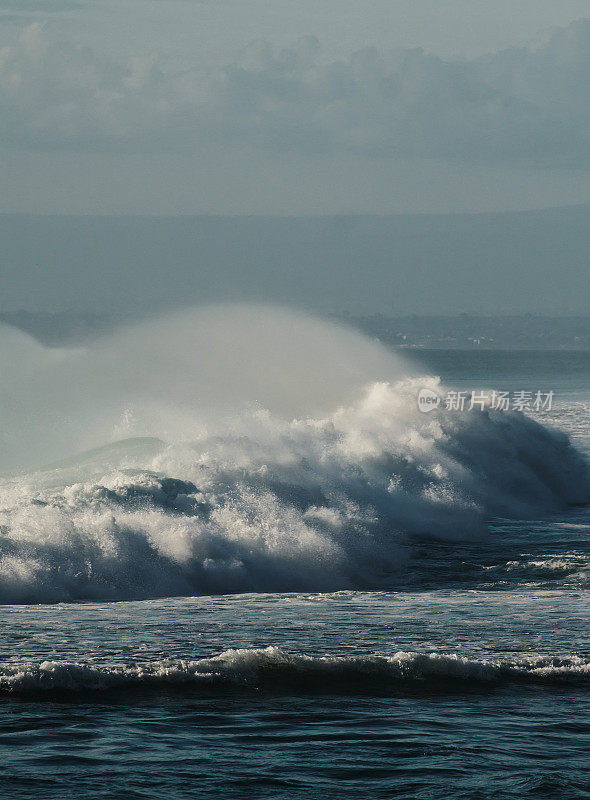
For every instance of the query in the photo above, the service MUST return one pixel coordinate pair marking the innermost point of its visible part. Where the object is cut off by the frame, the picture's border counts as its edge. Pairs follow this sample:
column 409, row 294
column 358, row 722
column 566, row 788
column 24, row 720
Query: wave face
column 252, row 498
column 314, row 504
column 271, row 669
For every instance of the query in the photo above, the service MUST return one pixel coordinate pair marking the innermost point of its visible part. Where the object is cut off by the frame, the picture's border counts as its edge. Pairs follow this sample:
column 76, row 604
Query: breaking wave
column 281, row 495
column 271, row 669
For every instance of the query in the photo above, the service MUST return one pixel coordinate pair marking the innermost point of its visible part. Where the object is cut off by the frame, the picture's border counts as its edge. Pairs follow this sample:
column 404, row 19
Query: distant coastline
column 427, row 332
column 475, row 332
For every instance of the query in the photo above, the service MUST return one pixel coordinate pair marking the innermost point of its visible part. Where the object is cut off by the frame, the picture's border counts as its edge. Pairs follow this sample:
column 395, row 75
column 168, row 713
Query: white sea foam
column 273, row 669
column 252, row 498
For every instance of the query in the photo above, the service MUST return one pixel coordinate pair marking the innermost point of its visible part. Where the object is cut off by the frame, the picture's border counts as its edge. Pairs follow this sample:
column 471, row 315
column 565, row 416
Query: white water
column 272, row 668
column 285, row 454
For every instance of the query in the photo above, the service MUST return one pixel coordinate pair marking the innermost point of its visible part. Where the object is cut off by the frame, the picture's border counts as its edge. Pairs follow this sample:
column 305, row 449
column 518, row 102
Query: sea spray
column 175, row 376
column 250, row 497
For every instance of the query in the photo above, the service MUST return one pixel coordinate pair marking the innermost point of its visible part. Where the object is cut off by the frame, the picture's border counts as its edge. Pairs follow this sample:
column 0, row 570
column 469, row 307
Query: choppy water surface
column 365, row 602
column 414, row 694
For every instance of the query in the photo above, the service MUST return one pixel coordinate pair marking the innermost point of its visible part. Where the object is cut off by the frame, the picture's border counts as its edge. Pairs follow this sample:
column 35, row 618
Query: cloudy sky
column 293, row 106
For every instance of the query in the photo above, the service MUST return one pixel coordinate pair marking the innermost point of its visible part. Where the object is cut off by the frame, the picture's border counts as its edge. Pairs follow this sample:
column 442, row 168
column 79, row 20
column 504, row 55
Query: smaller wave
column 543, row 571
column 271, row 669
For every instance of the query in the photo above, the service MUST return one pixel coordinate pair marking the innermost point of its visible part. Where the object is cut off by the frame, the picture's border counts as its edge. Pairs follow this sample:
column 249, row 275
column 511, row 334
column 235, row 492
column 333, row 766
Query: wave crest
column 272, row 669
column 314, row 504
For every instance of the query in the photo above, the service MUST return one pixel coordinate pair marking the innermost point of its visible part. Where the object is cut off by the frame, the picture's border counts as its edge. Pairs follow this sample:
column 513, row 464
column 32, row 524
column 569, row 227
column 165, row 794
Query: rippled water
column 466, row 678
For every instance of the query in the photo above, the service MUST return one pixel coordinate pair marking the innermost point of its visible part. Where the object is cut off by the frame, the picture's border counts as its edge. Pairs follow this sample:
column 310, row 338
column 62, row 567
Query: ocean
column 314, row 591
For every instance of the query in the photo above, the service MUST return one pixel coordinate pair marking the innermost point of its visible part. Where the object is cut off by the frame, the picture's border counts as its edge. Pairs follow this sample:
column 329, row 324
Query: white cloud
column 527, row 105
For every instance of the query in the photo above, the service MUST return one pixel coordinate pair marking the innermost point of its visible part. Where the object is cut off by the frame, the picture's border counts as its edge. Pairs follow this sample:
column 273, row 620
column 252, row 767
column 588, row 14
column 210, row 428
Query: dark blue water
column 464, row 745
column 466, row 677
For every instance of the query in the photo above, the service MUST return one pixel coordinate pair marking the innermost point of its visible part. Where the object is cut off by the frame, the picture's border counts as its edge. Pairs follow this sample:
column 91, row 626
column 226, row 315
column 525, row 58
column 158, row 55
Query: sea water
column 321, row 594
